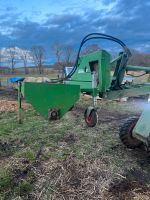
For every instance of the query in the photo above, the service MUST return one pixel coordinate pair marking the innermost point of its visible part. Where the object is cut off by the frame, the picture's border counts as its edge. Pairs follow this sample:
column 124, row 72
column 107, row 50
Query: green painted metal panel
column 83, row 76
column 137, row 68
column 132, row 90
column 142, row 128
column 45, row 96
column 104, row 72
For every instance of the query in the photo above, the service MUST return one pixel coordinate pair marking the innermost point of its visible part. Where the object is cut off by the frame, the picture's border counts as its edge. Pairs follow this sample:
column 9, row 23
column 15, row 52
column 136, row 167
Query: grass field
column 67, row 160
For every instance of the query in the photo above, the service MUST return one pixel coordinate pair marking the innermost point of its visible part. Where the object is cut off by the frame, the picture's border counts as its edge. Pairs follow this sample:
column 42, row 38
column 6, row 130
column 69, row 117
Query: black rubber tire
column 92, row 119
column 125, row 134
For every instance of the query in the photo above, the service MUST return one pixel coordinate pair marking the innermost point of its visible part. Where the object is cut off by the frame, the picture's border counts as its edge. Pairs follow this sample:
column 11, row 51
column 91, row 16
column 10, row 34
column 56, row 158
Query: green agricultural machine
column 92, row 74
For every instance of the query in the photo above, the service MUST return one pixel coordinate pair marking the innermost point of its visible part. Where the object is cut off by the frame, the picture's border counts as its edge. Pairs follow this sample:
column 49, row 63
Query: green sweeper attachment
column 52, row 101
column 92, row 74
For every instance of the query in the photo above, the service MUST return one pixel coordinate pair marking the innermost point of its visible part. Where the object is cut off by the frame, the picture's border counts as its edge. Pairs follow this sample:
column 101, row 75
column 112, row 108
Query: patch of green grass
column 23, row 141
column 23, row 188
column 6, row 180
column 33, row 131
column 26, row 153
column 16, row 179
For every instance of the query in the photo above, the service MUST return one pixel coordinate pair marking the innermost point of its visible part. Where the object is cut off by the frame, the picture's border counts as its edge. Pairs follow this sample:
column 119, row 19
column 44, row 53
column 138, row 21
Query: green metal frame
column 83, row 75
column 106, row 84
column 137, row 68
column 129, row 91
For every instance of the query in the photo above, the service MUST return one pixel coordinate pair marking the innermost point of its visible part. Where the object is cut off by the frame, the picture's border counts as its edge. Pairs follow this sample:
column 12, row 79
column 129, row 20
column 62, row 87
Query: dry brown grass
column 73, row 178
column 11, row 106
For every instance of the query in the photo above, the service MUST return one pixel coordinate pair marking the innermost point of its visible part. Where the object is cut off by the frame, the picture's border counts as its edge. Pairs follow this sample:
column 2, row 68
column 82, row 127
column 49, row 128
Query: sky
column 26, row 23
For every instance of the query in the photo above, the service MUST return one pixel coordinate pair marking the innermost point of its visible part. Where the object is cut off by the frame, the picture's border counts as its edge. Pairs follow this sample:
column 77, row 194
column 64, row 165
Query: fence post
column 19, row 102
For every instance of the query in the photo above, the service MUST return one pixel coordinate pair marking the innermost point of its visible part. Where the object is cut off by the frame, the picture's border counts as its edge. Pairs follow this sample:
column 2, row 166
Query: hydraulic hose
column 97, row 36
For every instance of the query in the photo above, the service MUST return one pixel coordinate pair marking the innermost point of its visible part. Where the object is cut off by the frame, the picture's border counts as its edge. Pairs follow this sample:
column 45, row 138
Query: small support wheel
column 53, row 114
column 91, row 117
column 126, row 134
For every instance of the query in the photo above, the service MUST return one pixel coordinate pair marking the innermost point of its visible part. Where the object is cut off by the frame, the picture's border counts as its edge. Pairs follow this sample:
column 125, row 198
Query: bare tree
column 90, row 49
column 12, row 57
column 25, row 56
column 64, row 54
column 38, row 55
column 57, row 49
column 68, row 55
column 139, row 58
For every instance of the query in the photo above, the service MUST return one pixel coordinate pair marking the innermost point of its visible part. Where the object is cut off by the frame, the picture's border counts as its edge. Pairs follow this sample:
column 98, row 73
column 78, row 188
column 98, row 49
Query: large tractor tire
column 126, row 134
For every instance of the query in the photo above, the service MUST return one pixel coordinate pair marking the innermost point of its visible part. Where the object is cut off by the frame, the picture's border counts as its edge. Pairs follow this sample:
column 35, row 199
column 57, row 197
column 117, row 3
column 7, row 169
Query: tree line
column 64, row 55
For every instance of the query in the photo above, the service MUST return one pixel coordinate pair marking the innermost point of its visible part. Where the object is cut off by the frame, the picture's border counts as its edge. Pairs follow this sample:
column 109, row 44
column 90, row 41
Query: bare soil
column 132, row 186
column 106, row 115
column 8, row 100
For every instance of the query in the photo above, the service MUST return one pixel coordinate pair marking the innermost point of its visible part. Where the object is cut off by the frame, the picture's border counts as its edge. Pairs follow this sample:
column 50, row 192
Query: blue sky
column 25, row 23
